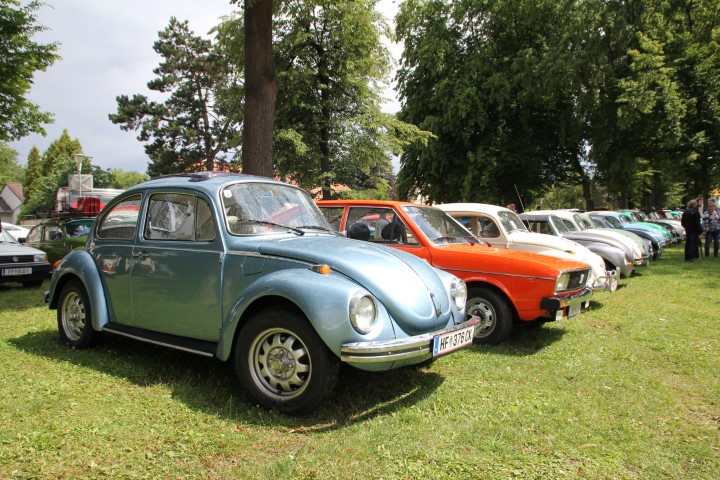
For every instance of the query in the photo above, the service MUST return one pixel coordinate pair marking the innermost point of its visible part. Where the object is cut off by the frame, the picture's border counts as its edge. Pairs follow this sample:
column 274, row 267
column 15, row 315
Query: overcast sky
column 106, row 50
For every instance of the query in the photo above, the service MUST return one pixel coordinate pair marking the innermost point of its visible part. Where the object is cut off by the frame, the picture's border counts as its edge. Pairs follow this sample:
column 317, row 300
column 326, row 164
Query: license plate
column 8, row 272
column 574, row 310
column 447, row 342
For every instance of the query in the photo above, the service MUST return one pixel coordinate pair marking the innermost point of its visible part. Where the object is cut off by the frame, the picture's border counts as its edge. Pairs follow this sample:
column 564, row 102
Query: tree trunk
column 260, row 89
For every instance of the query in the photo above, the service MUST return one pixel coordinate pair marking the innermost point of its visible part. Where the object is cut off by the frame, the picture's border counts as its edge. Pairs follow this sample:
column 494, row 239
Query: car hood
column 567, row 248
column 542, row 240
column 11, row 249
column 402, row 282
column 491, row 260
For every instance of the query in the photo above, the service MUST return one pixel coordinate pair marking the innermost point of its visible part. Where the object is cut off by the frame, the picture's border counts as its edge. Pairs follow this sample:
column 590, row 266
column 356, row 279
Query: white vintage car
column 502, row 228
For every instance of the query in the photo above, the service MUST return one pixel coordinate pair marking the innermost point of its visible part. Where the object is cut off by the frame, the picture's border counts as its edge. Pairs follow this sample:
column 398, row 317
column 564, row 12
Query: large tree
column 332, row 67
column 55, row 164
column 197, row 124
column 526, row 94
column 20, row 58
column 260, row 88
column 10, row 169
column 476, row 74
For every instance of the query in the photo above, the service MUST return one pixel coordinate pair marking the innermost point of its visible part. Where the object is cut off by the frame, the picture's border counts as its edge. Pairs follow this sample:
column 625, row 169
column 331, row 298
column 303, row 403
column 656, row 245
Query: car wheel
column 283, row 364
column 74, row 316
column 496, row 317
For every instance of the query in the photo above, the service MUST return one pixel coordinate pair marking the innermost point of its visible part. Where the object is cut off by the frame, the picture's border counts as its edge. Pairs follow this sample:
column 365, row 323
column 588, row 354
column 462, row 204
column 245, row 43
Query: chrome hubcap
column 280, row 363
column 486, row 313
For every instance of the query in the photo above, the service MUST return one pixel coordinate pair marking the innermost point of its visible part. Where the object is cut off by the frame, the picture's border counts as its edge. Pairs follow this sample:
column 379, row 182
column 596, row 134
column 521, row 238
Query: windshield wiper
column 263, row 222
column 446, row 238
column 316, row 227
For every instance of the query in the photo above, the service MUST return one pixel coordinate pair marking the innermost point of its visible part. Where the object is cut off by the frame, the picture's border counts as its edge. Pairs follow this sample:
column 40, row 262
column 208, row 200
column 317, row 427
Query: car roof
column 472, row 208
column 208, row 182
column 387, row 203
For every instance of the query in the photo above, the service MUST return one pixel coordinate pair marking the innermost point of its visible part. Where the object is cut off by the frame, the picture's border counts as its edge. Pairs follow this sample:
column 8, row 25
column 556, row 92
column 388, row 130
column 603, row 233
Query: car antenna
column 519, row 197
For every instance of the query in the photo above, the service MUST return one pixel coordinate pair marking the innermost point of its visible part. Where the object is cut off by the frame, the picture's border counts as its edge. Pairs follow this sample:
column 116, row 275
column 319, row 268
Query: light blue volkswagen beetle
column 246, row 269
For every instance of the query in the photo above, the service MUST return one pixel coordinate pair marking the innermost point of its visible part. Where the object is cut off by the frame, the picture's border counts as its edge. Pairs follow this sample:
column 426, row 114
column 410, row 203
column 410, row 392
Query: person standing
column 711, row 227
column 692, row 221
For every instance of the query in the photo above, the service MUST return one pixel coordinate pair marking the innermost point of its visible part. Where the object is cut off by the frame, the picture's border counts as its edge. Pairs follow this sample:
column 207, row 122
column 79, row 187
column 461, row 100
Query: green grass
column 628, row 390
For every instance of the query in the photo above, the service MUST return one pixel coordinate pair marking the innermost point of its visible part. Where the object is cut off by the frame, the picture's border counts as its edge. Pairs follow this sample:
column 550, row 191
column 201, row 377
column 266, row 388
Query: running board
column 198, row 347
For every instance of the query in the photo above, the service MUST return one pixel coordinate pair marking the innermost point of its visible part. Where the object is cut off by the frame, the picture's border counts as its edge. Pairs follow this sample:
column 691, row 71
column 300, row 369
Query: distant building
column 11, row 199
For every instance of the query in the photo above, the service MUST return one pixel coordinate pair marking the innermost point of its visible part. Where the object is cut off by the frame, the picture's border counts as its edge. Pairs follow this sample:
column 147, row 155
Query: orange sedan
column 505, row 288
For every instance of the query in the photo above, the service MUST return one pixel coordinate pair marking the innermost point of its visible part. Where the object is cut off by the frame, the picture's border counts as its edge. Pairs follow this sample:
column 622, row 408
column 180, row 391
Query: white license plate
column 574, row 310
column 447, row 342
column 8, row 272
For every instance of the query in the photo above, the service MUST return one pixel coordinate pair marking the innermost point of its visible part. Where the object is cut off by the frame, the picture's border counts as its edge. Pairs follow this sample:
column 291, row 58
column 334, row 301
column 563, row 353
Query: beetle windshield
column 560, row 226
column 438, row 226
column 266, row 208
column 511, row 222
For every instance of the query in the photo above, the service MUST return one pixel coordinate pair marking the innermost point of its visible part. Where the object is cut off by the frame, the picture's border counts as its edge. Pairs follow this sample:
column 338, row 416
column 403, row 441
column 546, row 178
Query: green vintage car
column 57, row 237
column 247, row 270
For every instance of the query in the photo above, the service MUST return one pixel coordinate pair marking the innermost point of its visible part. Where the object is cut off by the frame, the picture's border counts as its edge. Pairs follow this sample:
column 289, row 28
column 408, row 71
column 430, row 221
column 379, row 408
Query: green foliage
column 124, row 180
column 531, row 94
column 21, row 58
column 58, row 150
column 331, row 67
column 198, row 123
column 44, row 189
column 53, row 167
column 10, row 169
column 33, row 169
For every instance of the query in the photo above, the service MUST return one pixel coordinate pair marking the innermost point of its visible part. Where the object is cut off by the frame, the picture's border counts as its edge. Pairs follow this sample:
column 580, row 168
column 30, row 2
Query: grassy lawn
column 628, row 390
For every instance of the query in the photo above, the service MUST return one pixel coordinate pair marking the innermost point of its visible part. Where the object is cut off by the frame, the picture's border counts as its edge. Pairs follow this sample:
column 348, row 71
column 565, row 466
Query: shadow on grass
column 210, row 386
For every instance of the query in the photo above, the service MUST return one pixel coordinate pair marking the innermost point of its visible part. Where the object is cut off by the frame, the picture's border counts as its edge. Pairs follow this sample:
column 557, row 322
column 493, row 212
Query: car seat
column 359, row 231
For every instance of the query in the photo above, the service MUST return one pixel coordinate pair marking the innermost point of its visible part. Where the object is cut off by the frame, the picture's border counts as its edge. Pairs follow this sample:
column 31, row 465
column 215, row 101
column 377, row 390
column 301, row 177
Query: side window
column 179, row 217
column 34, row 235
column 333, row 215
column 52, row 233
column 487, row 228
column 378, row 224
column 120, row 223
column 466, row 221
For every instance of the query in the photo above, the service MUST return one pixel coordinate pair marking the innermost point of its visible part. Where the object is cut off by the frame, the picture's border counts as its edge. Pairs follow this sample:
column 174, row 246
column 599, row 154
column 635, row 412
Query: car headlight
column 458, row 292
column 40, row 257
column 363, row 313
column 562, row 282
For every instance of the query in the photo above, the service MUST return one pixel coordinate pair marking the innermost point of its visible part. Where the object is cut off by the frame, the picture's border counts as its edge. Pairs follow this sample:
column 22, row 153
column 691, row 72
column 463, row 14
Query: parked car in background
column 604, row 223
column 246, row 269
column 20, row 263
column 58, row 237
column 641, row 248
column 18, row 232
column 505, row 288
column 671, row 224
column 502, row 228
column 664, row 230
column 618, row 221
column 608, row 248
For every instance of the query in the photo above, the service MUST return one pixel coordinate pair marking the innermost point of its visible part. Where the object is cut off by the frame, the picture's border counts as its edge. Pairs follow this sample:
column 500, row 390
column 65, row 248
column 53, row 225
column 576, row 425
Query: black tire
column 496, row 315
column 74, row 316
column 283, row 364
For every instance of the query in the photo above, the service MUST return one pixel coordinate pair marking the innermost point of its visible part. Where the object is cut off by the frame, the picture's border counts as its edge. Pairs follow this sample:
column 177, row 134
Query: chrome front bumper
column 608, row 283
column 559, row 303
column 419, row 347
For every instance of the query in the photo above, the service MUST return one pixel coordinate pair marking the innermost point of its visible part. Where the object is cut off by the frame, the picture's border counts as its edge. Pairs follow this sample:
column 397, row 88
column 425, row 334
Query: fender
column 609, row 252
column 78, row 264
column 323, row 299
